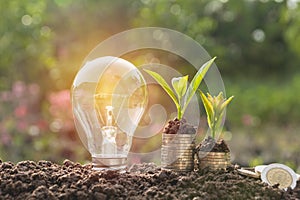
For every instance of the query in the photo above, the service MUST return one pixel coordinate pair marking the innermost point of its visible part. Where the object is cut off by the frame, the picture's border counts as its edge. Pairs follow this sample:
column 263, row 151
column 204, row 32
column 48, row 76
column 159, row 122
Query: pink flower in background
column 26, row 119
column 60, row 99
column 5, row 138
column 5, row 96
column 22, row 125
column 20, row 111
column 42, row 124
column 18, row 89
column 61, row 111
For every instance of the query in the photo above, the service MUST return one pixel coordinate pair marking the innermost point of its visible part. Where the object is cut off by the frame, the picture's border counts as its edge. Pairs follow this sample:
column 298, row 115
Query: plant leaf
column 161, row 81
column 208, row 108
column 223, row 106
column 196, row 82
column 219, row 121
column 180, row 85
column 218, row 101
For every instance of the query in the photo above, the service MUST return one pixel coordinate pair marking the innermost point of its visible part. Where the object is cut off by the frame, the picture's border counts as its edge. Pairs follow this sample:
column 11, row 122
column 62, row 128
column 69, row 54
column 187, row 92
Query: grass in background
column 264, row 121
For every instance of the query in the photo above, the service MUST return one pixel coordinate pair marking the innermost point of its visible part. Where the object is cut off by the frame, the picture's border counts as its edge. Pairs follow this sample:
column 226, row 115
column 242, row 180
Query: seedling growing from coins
column 212, row 152
column 182, row 92
column 178, row 134
column 215, row 107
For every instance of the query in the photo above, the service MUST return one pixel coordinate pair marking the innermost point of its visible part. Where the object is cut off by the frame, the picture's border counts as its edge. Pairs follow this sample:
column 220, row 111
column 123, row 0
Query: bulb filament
column 109, row 115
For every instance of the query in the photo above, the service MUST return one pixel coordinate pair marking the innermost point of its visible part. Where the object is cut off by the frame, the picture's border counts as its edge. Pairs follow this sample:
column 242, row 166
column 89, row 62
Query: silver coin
column 248, row 173
column 279, row 174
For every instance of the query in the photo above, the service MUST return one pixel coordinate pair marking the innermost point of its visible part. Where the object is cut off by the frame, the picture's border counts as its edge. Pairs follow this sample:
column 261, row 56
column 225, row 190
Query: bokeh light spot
column 26, row 20
column 34, row 131
column 292, row 4
column 258, row 35
column 45, row 31
column 175, row 9
column 56, row 125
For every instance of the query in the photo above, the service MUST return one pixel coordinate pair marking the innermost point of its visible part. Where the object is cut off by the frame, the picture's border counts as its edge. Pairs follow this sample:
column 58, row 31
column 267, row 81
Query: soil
column 177, row 126
column 47, row 180
column 209, row 144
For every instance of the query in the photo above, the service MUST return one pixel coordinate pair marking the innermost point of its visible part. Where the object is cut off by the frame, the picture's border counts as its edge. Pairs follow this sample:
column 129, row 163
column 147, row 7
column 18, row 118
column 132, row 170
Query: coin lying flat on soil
column 249, row 173
column 260, row 168
column 279, row 174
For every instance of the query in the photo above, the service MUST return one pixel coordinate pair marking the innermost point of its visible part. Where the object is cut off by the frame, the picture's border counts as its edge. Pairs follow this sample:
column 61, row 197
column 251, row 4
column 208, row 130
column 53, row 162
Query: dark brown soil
column 47, row 180
column 177, row 126
column 210, row 145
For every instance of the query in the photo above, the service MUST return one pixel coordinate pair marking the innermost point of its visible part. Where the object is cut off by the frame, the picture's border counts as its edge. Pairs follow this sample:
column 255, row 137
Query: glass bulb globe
column 109, row 96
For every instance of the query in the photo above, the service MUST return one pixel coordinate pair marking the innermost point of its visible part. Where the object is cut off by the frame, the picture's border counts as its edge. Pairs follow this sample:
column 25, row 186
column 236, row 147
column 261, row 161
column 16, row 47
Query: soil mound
column 177, row 126
column 47, row 180
column 210, row 145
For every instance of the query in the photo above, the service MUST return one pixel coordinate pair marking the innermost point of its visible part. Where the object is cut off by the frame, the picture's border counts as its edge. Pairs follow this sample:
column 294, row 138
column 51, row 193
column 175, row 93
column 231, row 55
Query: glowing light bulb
column 109, row 97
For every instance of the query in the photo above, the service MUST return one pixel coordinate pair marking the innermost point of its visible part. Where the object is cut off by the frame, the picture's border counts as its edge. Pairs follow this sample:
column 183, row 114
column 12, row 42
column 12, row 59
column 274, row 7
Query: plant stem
column 179, row 114
column 213, row 132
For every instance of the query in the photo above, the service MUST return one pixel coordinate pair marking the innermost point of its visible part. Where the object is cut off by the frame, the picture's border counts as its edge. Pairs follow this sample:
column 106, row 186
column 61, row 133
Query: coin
column 177, row 152
column 215, row 159
column 279, row 174
column 213, row 155
column 216, row 163
column 260, row 168
column 248, row 173
column 213, row 166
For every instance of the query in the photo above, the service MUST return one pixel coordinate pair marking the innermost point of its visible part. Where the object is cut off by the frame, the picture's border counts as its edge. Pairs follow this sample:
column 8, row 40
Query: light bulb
column 109, row 96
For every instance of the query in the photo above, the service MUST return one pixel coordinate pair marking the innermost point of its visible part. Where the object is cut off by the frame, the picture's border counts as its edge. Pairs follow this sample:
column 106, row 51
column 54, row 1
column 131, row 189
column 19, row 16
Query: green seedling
column 182, row 92
column 215, row 107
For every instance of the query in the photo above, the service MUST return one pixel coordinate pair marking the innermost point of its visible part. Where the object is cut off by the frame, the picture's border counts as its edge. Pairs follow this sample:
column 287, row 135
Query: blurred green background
column 43, row 44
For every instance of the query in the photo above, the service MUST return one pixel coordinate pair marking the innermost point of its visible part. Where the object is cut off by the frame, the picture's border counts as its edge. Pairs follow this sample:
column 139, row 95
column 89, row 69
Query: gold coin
column 213, row 153
column 279, row 174
column 214, row 159
column 175, row 153
column 217, row 163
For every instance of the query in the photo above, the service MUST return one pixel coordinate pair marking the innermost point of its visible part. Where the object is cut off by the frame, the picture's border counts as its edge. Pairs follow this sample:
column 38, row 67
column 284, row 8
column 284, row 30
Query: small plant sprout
column 215, row 107
column 183, row 92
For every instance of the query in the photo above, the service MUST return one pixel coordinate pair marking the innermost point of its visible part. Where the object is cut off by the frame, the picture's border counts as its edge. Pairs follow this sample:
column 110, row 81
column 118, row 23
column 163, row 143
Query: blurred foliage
column 43, row 44
column 25, row 43
column 258, row 103
column 248, row 37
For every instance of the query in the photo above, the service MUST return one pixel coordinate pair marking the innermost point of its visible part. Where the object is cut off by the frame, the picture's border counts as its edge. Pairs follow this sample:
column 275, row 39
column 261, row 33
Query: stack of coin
column 214, row 160
column 177, row 152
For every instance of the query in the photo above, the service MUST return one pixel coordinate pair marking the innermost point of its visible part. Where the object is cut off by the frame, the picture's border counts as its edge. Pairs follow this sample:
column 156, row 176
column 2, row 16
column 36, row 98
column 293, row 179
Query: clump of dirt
column 209, row 144
column 177, row 126
column 47, row 180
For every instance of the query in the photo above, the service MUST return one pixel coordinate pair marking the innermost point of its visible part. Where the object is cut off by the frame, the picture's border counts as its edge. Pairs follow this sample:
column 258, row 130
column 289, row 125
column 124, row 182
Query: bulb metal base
column 109, row 163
